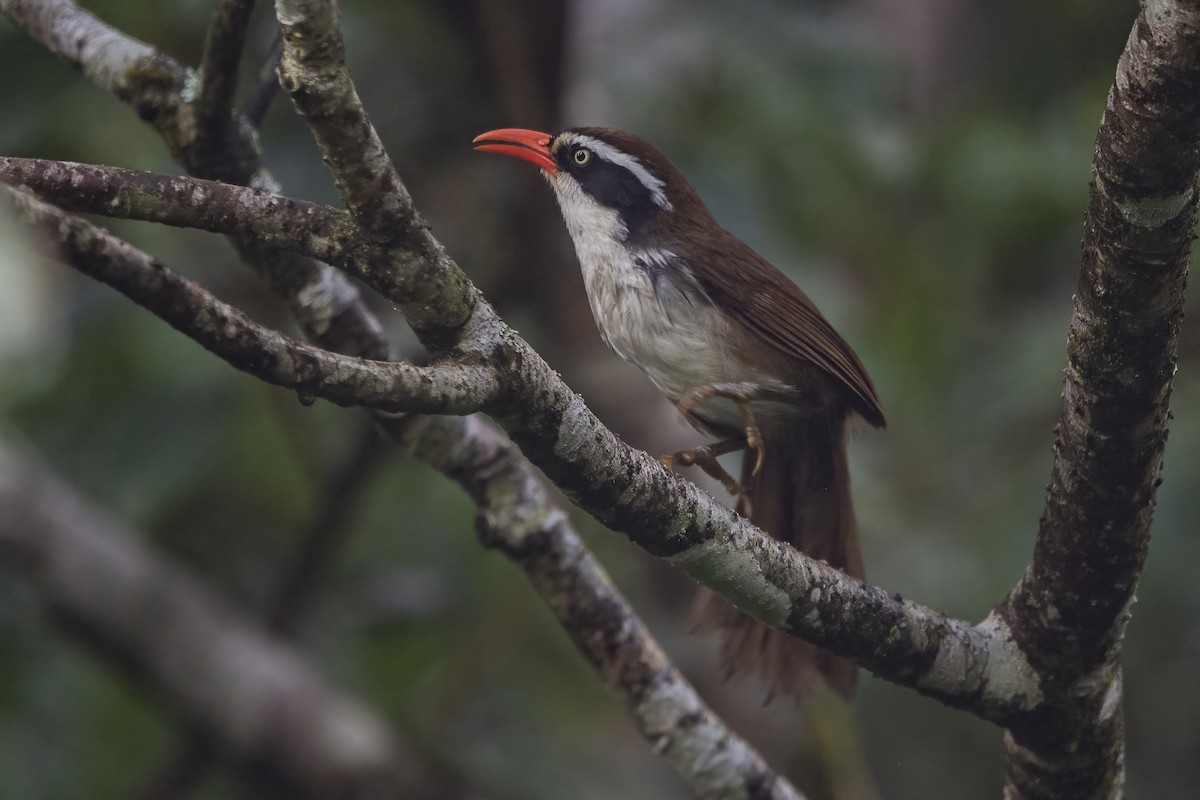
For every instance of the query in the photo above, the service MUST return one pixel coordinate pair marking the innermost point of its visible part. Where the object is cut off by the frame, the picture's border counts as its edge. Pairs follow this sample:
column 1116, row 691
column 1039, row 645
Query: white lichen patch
column 992, row 662
column 1151, row 212
column 1147, row 212
column 1112, row 701
column 191, row 86
column 736, row 574
column 704, row 752
column 1007, row 674
column 573, row 431
column 327, row 295
column 1167, row 16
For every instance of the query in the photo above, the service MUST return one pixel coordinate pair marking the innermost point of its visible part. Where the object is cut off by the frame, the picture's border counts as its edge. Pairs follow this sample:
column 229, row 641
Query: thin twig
column 247, row 346
column 266, row 86
column 218, row 72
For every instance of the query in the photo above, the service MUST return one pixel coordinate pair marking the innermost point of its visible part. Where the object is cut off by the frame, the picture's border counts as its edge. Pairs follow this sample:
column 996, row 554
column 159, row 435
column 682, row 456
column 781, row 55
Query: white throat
column 668, row 328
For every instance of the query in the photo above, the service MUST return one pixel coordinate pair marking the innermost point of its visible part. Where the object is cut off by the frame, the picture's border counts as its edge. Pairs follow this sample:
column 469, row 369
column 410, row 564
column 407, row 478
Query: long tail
column 802, row 496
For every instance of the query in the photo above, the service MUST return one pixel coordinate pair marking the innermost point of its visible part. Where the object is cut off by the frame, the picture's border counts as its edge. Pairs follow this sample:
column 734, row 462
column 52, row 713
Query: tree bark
column 1069, row 611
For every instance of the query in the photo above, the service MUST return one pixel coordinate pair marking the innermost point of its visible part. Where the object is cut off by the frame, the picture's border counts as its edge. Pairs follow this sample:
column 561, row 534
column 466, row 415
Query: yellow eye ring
column 582, row 156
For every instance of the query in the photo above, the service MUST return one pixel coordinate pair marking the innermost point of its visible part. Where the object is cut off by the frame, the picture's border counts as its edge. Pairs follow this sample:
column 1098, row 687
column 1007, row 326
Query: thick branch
column 669, row 713
column 689, row 746
column 269, row 356
column 1069, row 611
column 154, row 622
column 309, row 229
column 972, row 667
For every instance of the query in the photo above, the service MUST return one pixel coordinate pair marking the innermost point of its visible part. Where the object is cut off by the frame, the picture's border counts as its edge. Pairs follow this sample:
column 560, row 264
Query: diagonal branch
column 973, row 667
column 517, row 518
column 308, row 229
column 438, row 297
column 969, row 666
column 327, row 306
column 269, row 356
column 684, row 739
column 217, row 669
column 218, row 73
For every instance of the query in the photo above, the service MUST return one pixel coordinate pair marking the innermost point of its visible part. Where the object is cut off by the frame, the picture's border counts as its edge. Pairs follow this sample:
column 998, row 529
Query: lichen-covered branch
column 152, row 621
column 326, row 304
column 130, row 69
column 517, row 517
column 969, row 666
column 228, row 333
column 974, row 667
column 1069, row 611
column 712, row 759
column 218, row 71
column 313, row 72
column 308, row 229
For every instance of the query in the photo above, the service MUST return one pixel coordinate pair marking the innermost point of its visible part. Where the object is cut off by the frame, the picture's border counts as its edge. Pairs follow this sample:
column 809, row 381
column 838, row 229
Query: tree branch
column 973, row 667
column 309, row 229
column 247, row 346
column 218, row 71
column 517, row 518
column 438, row 297
column 154, row 622
column 715, row 762
column 700, row 772
column 327, row 306
column 1070, row 609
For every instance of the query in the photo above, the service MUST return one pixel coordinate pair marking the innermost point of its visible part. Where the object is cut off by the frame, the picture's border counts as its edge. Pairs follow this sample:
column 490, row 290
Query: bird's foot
column 705, row 457
column 741, row 394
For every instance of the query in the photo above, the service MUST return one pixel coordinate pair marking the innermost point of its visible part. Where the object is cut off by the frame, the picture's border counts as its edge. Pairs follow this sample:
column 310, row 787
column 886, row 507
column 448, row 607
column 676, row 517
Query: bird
column 740, row 350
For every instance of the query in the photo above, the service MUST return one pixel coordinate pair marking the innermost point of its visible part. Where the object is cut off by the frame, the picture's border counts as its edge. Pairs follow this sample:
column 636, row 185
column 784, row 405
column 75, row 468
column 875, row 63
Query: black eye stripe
column 616, row 187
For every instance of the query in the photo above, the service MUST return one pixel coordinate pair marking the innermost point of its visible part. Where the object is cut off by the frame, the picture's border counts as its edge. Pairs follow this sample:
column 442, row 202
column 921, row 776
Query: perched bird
column 741, row 351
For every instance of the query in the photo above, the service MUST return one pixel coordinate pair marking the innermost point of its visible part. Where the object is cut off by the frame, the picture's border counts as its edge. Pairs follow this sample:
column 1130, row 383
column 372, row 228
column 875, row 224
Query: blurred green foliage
column 920, row 168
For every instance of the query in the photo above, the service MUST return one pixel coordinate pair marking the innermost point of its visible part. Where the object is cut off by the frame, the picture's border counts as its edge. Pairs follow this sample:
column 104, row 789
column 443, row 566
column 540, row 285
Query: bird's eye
column 582, row 156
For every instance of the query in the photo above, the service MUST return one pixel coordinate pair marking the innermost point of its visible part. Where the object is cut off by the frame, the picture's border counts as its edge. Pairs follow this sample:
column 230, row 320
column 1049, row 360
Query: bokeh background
column 920, row 167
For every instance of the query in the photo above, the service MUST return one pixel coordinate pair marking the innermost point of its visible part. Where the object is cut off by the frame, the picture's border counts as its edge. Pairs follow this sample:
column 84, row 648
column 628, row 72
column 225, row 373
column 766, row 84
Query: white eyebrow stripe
column 615, row 156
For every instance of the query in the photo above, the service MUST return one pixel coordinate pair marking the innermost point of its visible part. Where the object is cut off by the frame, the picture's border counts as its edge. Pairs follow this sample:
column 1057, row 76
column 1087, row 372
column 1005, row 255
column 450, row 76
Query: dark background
column 920, row 167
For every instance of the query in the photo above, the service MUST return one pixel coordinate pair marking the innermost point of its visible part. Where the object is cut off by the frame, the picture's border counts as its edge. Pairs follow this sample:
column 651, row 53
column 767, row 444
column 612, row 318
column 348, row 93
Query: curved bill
column 526, row 145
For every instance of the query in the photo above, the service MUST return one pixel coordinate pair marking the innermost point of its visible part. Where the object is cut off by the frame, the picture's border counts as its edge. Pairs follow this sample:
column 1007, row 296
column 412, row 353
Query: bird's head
column 603, row 178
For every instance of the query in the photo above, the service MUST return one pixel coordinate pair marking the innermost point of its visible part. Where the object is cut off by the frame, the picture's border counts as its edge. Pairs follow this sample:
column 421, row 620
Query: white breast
column 674, row 335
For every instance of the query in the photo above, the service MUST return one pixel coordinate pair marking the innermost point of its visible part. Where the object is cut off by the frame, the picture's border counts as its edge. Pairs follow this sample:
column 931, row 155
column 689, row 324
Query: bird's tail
column 802, row 496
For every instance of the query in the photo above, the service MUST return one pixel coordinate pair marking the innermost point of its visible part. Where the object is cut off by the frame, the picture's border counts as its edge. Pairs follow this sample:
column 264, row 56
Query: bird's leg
column 705, row 457
column 741, row 394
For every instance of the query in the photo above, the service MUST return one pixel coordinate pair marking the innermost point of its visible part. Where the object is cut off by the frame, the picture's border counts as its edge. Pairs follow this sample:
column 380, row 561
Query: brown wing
column 769, row 304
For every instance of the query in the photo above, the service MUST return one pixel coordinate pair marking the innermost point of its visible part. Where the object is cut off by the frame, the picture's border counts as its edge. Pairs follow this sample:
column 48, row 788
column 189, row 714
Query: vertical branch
column 218, row 74
column 1069, row 611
